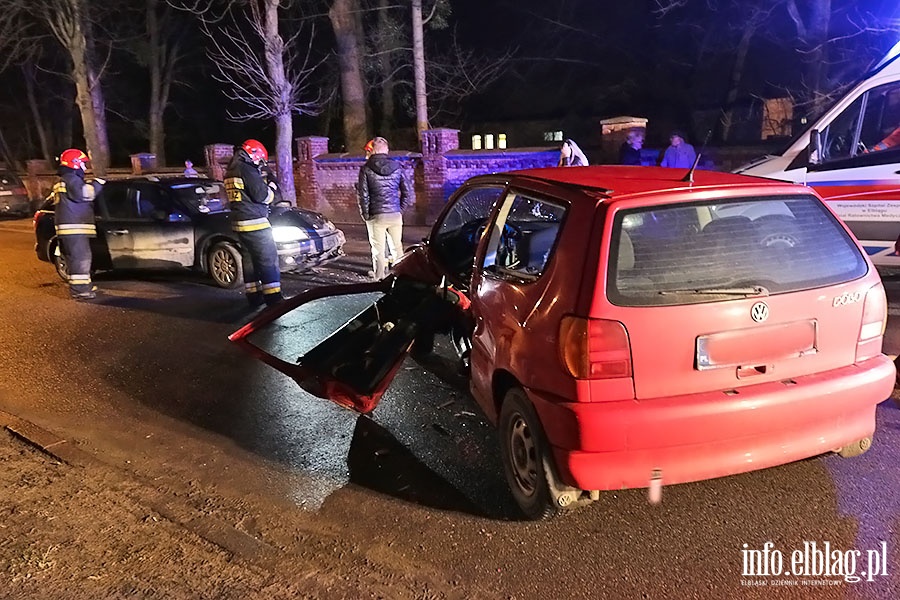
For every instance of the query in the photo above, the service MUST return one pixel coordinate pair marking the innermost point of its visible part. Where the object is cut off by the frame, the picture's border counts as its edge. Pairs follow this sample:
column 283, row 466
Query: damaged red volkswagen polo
column 627, row 326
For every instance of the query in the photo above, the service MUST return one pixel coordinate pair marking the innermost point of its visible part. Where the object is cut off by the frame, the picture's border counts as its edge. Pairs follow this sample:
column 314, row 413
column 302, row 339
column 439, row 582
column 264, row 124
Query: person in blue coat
column 679, row 154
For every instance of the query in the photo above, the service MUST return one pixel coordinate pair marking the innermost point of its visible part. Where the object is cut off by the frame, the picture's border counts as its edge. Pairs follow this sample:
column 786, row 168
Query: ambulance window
column 881, row 120
column 839, row 138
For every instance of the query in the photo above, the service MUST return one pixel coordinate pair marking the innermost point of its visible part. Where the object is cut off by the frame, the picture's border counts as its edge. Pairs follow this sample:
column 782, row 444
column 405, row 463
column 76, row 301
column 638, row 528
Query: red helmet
column 73, row 158
column 256, row 151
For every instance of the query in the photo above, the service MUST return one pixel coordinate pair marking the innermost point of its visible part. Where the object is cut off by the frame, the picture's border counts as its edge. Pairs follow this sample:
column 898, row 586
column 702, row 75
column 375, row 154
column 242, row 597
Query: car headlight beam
column 283, row 234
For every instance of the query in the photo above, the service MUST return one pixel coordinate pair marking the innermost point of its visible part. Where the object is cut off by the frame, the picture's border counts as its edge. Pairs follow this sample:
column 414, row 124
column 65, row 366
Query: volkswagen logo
column 759, row 312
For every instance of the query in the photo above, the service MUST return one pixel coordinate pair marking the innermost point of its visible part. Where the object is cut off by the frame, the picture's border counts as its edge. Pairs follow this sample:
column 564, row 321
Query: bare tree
column 418, row 39
column 269, row 76
column 161, row 49
column 437, row 84
column 70, row 21
column 72, row 24
column 818, row 34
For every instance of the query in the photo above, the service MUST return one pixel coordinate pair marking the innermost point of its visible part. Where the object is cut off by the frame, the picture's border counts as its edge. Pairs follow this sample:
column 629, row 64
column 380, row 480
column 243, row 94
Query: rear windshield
column 702, row 252
column 203, row 196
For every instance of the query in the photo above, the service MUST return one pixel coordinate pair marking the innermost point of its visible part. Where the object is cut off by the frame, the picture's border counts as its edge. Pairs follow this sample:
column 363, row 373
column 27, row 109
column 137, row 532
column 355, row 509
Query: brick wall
column 327, row 182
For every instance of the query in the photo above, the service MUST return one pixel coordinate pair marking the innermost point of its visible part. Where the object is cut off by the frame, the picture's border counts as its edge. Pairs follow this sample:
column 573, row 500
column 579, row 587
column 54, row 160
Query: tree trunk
column 284, row 128
column 158, row 99
column 819, row 21
column 353, row 91
column 29, row 76
column 100, row 152
column 387, row 75
column 419, row 68
column 71, row 27
column 737, row 73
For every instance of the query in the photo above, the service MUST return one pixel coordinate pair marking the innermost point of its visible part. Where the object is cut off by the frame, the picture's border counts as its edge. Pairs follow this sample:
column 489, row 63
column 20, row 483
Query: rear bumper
column 615, row 445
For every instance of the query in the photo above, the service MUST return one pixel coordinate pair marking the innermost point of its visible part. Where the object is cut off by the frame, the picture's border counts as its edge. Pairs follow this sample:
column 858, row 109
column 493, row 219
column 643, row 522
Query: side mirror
column 815, row 148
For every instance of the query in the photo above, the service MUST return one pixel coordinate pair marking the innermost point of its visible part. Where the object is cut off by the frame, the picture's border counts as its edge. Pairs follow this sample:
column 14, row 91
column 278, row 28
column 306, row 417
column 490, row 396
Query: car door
column 346, row 343
column 138, row 231
column 509, row 293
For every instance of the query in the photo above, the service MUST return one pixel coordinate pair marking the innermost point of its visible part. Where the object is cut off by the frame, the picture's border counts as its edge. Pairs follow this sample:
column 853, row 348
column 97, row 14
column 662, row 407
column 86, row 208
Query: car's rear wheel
column 224, row 265
column 526, row 460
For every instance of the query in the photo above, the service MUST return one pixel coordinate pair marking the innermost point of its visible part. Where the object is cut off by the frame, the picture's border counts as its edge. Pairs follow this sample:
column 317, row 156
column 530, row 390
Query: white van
column 851, row 159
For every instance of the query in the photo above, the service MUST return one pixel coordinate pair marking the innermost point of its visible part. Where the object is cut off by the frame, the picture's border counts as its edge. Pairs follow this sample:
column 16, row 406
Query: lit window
column 489, row 141
column 557, row 136
column 548, row 136
column 476, row 142
column 501, row 140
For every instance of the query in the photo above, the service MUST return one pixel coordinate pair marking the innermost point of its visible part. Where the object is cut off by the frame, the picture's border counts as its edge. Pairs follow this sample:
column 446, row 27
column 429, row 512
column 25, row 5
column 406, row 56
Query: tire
column 223, row 263
column 59, row 262
column 856, row 448
column 526, row 462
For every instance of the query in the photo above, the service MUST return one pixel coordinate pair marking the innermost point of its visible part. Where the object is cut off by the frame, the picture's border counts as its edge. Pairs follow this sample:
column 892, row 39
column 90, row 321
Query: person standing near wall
column 383, row 195
column 679, row 154
column 570, row 155
column 630, row 152
column 73, row 198
column 249, row 198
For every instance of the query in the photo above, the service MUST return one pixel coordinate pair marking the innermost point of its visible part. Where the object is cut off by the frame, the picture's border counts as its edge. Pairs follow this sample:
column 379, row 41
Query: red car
column 627, row 326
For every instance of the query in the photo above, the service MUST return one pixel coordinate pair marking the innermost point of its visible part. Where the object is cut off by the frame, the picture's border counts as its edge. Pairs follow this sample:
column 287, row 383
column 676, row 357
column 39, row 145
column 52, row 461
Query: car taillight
column 35, row 218
column 874, row 321
column 594, row 348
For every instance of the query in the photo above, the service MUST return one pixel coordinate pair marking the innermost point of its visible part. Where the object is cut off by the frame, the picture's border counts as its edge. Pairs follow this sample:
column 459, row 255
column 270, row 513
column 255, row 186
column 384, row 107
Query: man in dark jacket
column 249, row 198
column 383, row 196
column 74, row 217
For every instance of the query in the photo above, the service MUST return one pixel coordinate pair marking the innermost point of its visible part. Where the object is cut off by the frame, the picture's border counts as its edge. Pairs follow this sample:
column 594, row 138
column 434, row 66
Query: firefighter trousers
column 259, row 257
column 77, row 250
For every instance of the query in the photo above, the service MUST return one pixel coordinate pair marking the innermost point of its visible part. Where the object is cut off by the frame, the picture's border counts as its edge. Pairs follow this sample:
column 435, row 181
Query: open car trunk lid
column 353, row 365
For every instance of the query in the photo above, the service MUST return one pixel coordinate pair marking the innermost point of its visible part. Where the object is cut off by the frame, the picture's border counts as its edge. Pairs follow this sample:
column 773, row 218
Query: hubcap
column 523, row 453
column 223, row 267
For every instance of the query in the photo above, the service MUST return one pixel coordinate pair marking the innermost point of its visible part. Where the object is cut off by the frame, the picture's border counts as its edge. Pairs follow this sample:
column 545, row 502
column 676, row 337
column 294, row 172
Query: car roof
column 621, row 181
column 167, row 180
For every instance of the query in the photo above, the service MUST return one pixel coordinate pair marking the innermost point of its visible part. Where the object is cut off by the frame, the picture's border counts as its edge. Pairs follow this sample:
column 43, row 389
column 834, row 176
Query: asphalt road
column 145, row 378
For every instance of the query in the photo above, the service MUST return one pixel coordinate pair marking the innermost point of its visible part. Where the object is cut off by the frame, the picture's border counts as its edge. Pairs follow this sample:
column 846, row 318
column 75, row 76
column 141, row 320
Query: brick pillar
column 217, row 157
column 613, row 132
column 309, row 195
column 143, row 162
column 435, row 144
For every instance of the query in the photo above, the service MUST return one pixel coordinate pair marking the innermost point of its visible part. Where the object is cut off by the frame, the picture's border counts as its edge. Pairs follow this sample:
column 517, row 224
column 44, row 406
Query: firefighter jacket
column 73, row 199
column 249, row 196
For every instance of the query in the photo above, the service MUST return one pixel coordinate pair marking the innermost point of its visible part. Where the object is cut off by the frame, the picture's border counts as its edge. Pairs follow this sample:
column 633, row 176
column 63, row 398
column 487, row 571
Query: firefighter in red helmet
column 249, row 198
column 73, row 200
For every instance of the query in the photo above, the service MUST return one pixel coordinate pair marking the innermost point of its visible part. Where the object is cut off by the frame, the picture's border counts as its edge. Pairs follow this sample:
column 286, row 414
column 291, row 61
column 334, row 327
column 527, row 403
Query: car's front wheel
column 224, row 265
column 59, row 262
column 526, row 459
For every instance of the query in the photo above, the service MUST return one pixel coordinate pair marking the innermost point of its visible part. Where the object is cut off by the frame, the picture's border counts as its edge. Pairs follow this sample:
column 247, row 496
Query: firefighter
column 73, row 198
column 249, row 198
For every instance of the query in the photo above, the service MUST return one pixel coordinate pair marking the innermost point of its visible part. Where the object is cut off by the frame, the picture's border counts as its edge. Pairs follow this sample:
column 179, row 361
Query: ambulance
column 851, row 156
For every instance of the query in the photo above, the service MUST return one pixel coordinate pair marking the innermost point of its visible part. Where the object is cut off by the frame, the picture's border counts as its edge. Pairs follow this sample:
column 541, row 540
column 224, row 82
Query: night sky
column 585, row 58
